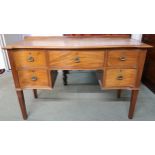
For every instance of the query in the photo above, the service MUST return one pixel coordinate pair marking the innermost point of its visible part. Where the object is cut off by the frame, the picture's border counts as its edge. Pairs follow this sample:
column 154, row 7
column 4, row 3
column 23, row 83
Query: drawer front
column 120, row 77
column 29, row 58
column 33, row 78
column 76, row 60
column 123, row 58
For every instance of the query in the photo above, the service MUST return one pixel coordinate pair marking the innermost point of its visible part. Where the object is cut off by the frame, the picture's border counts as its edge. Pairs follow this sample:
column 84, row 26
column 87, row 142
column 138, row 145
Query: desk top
column 64, row 42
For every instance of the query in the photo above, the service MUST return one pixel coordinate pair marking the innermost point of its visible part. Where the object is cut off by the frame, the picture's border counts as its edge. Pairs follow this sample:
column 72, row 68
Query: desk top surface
column 63, row 42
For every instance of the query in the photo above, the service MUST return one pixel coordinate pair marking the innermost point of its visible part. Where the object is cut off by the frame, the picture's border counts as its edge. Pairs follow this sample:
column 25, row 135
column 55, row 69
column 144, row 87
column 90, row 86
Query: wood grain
column 76, row 59
column 29, row 58
column 62, row 42
column 112, row 77
column 133, row 101
column 13, row 68
column 26, row 81
column 21, row 100
column 119, row 61
column 123, row 57
column 101, row 35
column 141, row 61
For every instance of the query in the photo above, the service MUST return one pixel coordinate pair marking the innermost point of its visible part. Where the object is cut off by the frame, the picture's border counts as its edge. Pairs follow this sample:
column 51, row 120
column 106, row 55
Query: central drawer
column 83, row 59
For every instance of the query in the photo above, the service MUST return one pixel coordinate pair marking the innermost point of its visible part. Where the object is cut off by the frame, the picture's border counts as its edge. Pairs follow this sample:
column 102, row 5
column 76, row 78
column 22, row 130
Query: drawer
column 33, row 78
column 82, row 59
column 29, row 58
column 120, row 77
column 123, row 58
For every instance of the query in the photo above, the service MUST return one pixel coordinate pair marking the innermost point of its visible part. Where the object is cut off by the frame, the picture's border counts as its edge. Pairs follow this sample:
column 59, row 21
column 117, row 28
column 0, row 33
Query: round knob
column 30, row 59
column 77, row 60
column 122, row 58
column 120, row 77
column 34, row 78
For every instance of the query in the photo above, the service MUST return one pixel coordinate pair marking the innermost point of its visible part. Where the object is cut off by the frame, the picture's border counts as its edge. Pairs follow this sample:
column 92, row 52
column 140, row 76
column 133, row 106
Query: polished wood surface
column 21, row 100
column 62, row 42
column 120, row 78
column 123, row 57
column 33, row 79
column 118, row 61
column 100, row 35
column 29, row 58
column 134, row 95
column 79, row 59
column 149, row 68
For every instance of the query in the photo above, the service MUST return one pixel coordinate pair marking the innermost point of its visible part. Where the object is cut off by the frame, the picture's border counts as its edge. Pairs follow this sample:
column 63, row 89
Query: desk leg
column 119, row 93
column 35, row 93
column 21, row 99
column 134, row 95
column 65, row 72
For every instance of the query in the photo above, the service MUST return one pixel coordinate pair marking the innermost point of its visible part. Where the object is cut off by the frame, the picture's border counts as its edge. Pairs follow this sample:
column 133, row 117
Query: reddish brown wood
column 35, row 93
column 64, row 42
column 22, row 104
column 141, row 62
column 76, row 59
column 128, row 74
column 120, row 77
column 13, row 68
column 34, row 79
column 101, row 35
column 134, row 95
column 123, row 57
column 29, row 58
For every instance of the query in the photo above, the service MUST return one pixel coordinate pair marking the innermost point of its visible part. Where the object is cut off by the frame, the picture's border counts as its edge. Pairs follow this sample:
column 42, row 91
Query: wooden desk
column 118, row 62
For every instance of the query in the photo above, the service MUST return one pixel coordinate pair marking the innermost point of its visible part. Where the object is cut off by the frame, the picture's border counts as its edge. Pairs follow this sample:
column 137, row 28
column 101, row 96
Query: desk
column 118, row 62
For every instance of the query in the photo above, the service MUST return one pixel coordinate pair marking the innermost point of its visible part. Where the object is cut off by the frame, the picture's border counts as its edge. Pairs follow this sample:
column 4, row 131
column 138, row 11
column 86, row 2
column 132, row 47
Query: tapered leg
column 35, row 93
column 65, row 72
column 134, row 95
column 22, row 104
column 119, row 93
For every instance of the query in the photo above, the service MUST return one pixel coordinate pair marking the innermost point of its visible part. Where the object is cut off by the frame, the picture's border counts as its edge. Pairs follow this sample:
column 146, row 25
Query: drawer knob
column 122, row 58
column 34, row 78
column 120, row 77
column 30, row 59
column 77, row 60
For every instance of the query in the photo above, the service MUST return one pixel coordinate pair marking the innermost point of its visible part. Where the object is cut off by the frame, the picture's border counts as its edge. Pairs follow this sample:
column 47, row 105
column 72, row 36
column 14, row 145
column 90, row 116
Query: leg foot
column 35, row 93
column 134, row 95
column 22, row 104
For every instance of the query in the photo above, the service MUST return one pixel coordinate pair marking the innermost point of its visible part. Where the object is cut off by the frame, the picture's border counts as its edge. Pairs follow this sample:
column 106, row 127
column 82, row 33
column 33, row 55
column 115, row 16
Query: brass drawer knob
column 77, row 60
column 122, row 58
column 34, row 78
column 30, row 59
column 120, row 77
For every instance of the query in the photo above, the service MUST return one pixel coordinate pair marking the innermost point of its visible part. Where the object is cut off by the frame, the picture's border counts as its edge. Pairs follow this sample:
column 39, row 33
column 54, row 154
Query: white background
column 81, row 16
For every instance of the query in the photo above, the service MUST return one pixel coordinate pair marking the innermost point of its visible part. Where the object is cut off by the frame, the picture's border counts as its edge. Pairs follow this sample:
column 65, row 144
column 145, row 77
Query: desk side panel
column 13, row 68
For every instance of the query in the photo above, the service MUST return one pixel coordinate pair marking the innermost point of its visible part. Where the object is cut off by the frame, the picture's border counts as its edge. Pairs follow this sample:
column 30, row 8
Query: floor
column 81, row 100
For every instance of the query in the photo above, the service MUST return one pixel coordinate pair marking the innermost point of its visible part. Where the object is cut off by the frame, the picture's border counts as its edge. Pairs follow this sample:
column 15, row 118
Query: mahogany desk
column 118, row 62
